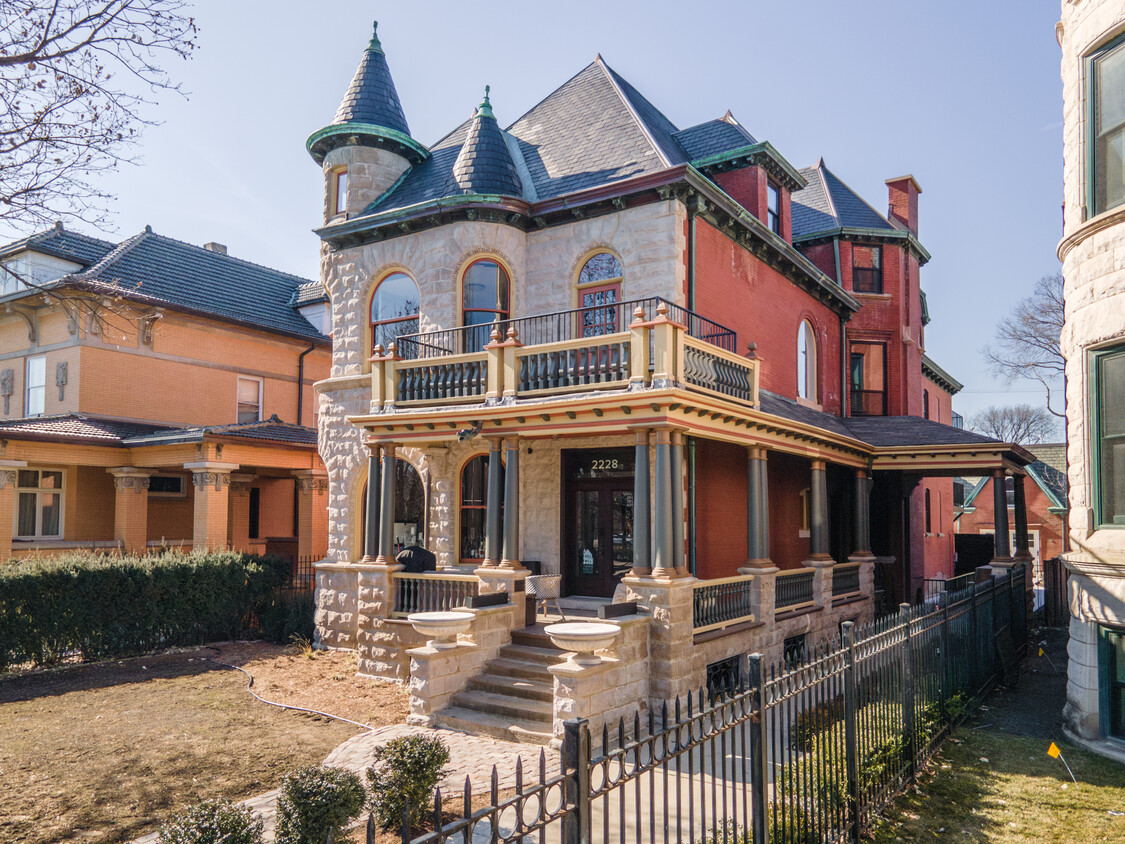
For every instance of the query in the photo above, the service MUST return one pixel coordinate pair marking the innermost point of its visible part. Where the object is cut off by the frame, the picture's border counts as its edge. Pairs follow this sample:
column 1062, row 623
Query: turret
column 367, row 147
column 484, row 165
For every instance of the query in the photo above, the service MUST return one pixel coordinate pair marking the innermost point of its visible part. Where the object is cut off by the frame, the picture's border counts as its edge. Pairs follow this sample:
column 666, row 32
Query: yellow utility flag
column 1053, row 751
column 1042, row 652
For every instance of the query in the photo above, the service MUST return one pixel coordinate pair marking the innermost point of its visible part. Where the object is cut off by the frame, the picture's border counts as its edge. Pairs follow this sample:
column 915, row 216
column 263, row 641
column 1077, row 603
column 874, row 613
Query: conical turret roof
column 484, row 165
column 370, row 113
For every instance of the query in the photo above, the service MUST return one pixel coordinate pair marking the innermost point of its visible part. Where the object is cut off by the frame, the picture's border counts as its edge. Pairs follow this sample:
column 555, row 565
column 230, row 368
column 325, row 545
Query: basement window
column 724, row 677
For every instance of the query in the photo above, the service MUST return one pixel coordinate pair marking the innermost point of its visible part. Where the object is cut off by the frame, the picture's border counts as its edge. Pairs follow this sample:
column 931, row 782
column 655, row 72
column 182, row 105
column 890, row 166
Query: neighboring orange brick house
column 155, row 392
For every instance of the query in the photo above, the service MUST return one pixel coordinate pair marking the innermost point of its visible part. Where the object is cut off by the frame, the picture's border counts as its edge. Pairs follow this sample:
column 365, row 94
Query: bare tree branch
column 1020, row 424
column 67, row 117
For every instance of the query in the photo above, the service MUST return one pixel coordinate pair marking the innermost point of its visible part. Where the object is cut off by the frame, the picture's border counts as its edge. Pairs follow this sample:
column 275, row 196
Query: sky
column 963, row 94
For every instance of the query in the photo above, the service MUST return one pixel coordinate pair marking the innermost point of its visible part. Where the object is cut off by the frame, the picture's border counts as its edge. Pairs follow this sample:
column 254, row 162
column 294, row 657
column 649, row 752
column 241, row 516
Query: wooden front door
column 597, row 525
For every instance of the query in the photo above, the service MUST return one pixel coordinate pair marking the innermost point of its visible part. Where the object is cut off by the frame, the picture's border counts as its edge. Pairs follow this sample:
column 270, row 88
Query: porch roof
column 125, row 433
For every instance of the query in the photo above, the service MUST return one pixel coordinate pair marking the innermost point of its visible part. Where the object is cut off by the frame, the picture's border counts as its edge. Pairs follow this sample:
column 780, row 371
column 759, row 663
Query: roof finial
column 375, row 45
column 486, row 107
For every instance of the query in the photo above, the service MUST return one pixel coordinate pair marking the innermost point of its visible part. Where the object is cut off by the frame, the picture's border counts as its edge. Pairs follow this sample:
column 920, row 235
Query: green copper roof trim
column 321, row 142
column 939, row 376
column 863, row 233
column 762, row 149
column 375, row 46
column 485, row 109
column 1033, row 473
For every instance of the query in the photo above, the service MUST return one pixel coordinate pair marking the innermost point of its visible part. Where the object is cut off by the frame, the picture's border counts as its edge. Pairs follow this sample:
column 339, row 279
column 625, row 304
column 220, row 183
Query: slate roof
column 484, row 165
column 77, row 427
column 1050, row 480
column 1053, row 454
column 891, row 431
column 371, row 98
column 61, row 243
column 713, row 137
column 786, row 408
column 270, row 430
column 827, row 203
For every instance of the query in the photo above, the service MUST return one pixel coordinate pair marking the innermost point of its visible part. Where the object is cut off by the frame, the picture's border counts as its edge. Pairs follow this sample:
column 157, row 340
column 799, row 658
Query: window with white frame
column 39, row 504
column 806, row 362
column 36, row 386
column 249, row 399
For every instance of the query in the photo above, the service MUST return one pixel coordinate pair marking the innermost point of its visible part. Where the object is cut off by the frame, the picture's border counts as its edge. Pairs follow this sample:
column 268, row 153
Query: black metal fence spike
column 468, row 798
column 437, row 809
column 542, row 766
column 495, row 783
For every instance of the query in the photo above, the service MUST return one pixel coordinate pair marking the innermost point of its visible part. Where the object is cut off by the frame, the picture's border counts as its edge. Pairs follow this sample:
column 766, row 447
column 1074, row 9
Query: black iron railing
column 717, row 604
column 793, row 589
column 560, row 326
column 845, row 579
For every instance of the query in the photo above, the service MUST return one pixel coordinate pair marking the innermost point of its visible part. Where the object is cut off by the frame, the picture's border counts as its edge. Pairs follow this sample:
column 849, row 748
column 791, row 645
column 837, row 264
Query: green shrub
column 99, row 606
column 729, row 833
column 212, row 822
column 286, row 615
column 403, row 778
column 316, row 803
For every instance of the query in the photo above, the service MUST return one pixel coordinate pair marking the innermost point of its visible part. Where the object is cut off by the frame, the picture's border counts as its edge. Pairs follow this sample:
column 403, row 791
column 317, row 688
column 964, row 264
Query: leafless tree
column 1020, row 423
column 76, row 80
column 1027, row 340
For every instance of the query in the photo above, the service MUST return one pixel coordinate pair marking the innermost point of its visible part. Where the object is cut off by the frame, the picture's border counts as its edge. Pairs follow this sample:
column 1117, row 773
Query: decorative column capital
column 818, row 465
column 311, row 480
column 126, row 478
column 240, row 484
column 7, row 478
column 209, row 473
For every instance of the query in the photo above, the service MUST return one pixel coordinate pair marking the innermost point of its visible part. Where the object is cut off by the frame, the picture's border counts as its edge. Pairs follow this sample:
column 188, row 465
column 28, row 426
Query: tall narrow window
column 1108, row 405
column 867, row 269
column 929, row 523
column 806, row 362
column 484, row 291
column 1107, row 134
column 39, row 504
column 249, row 399
column 868, row 364
column 1111, row 667
column 773, row 208
column 599, row 291
column 474, row 498
column 925, row 404
column 340, row 192
column 394, row 311
column 36, row 385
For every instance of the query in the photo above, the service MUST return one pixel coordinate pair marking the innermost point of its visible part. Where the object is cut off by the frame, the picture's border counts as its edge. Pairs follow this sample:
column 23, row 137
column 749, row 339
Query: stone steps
column 521, row 687
column 495, row 726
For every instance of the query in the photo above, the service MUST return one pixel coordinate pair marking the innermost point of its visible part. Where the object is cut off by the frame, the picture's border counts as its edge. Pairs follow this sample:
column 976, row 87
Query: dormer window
column 340, row 192
column 867, row 269
column 773, row 208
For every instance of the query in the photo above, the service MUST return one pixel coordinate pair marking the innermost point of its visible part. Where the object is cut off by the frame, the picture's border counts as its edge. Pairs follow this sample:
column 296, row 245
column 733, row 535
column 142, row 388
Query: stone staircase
column 512, row 698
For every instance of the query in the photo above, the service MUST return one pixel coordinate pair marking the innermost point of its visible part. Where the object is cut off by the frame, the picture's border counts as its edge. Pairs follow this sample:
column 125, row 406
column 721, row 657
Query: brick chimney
column 215, row 247
column 902, row 195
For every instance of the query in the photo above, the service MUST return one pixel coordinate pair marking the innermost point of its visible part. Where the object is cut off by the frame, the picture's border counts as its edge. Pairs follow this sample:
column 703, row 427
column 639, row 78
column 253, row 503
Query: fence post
column 759, row 779
column 851, row 737
column 906, row 654
column 946, row 679
column 576, row 764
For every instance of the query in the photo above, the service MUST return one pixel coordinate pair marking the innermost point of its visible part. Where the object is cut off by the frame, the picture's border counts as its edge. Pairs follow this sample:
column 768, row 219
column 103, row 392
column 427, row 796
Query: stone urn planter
column 443, row 626
column 582, row 638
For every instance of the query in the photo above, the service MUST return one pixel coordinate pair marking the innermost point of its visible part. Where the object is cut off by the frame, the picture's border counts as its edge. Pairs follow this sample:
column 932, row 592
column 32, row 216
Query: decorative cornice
column 1089, row 228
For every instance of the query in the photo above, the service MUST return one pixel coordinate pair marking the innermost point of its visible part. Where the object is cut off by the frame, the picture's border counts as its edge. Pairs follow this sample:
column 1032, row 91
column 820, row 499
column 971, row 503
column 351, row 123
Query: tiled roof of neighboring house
column 371, row 98
column 162, row 270
column 77, row 427
column 891, row 431
column 308, row 293
column 827, row 203
column 484, row 165
column 713, row 137
column 1053, row 454
column 61, row 243
column 272, row 430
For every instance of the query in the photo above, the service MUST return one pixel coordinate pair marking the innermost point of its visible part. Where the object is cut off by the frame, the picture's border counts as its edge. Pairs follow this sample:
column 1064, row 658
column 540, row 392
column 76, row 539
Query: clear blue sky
column 964, row 94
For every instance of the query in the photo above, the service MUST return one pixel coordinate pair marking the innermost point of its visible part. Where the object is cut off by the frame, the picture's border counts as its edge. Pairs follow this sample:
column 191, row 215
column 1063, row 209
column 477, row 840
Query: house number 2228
column 596, row 465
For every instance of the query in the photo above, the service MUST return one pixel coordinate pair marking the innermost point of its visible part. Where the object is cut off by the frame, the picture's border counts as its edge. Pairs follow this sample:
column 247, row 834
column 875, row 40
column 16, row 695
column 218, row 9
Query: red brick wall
column 738, row 290
column 747, row 187
column 788, row 475
column 720, row 508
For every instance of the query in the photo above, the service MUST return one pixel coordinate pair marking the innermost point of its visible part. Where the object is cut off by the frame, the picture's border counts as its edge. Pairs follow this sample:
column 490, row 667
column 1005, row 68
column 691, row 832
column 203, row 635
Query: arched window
column 484, row 300
column 394, row 309
column 806, row 362
column 925, row 404
column 474, row 497
column 410, row 507
column 599, row 291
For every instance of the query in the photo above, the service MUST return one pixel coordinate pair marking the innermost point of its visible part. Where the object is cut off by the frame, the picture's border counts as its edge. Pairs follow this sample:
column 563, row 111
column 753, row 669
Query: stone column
column 212, row 489
column 238, row 520
column 862, row 516
column 818, row 516
column 387, row 507
column 679, row 556
column 642, row 508
column 130, row 508
column 1002, row 548
column 663, row 550
column 1023, row 551
column 8, row 470
column 511, row 560
column 757, row 513
column 493, row 512
column 371, row 515
column 312, row 512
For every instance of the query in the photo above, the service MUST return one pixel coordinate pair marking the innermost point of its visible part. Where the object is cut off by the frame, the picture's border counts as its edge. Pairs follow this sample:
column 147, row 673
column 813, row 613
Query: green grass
column 1019, row 794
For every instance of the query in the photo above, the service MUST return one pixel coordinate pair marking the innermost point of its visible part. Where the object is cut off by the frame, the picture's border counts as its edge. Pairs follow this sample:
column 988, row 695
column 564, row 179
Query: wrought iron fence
column 932, row 587
column 793, row 588
column 792, row 754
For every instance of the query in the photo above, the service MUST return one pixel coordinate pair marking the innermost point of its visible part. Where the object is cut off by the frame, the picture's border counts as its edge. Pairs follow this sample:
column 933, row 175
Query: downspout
column 844, row 391
column 692, row 212
column 301, row 379
column 691, row 505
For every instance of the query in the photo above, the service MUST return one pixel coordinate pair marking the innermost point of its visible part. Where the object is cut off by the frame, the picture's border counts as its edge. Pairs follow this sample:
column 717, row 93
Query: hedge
column 99, row 607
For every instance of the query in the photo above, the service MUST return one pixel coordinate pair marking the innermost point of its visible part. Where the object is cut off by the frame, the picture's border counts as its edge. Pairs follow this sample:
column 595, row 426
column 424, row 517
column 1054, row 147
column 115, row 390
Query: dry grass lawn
column 103, row 753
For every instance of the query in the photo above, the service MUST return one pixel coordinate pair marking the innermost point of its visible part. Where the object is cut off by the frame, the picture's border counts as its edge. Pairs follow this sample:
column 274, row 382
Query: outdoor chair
column 544, row 588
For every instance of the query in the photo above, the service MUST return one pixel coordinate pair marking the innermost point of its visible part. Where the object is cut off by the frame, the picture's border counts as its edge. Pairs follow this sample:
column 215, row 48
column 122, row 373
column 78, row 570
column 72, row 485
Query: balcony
column 575, row 351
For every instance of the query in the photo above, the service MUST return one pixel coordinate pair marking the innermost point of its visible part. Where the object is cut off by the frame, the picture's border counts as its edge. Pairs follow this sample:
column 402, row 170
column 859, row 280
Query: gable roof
column 827, row 203
column 61, row 243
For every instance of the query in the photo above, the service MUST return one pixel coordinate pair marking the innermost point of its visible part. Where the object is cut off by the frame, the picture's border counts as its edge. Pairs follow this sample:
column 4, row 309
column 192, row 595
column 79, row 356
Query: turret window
column 394, row 310
column 340, row 192
column 1107, row 132
column 485, row 291
column 867, row 269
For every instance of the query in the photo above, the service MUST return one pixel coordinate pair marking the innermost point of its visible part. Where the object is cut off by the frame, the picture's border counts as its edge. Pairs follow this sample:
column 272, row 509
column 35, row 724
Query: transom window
column 806, row 362
column 1107, row 132
column 39, row 504
column 394, row 309
column 1108, row 404
column 249, row 399
column 474, row 498
column 598, row 294
column 485, row 294
column 773, row 208
column 36, row 385
column 867, row 269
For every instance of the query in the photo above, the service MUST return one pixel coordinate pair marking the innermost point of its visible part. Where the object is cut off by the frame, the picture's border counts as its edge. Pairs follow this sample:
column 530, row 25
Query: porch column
column 371, row 514
column 862, row 515
column 1002, row 547
column 8, row 470
column 679, row 558
column 212, row 498
column 512, row 506
column 1023, row 551
column 387, row 507
column 642, row 503
column 130, row 508
column 663, row 558
column 312, row 512
column 757, row 511
column 238, row 519
column 818, row 515
column 493, row 534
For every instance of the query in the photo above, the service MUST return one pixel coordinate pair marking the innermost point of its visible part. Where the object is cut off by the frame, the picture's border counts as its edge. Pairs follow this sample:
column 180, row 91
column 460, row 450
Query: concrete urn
column 582, row 638
column 444, row 627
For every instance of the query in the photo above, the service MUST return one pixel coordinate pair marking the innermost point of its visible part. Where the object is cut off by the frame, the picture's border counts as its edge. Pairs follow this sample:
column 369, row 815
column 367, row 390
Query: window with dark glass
column 39, row 504
column 925, row 404
column 340, row 192
column 485, row 291
column 410, row 507
column 1111, row 682
column 474, row 498
column 929, row 524
column 1108, row 405
column 394, row 309
column 599, row 291
column 868, row 363
column 867, row 269
column 773, row 208
column 1107, row 130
